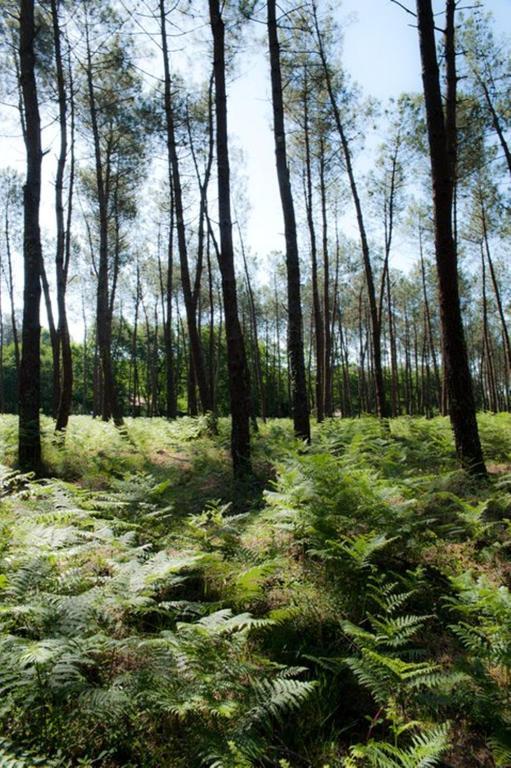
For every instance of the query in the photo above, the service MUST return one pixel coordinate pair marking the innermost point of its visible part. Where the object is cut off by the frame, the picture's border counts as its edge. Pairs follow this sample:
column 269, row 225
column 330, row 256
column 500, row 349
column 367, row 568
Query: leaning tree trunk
column 496, row 290
column 295, row 321
column 54, row 341
column 442, row 144
column 239, row 390
column 29, row 439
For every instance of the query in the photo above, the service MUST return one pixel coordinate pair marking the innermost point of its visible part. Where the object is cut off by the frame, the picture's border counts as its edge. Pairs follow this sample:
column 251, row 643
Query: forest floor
column 348, row 606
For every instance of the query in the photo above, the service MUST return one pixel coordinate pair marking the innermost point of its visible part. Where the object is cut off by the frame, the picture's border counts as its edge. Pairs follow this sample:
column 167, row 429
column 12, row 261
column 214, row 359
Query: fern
column 17, row 757
column 424, row 751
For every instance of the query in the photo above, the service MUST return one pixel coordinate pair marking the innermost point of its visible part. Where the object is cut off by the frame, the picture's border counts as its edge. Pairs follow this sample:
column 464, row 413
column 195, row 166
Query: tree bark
column 10, row 288
column 300, row 405
column 54, row 341
column 175, row 177
column 319, row 336
column 110, row 405
column 379, row 385
column 442, row 146
column 496, row 290
column 29, row 438
column 327, row 346
column 63, row 246
column 429, row 324
column 239, row 392
column 255, row 333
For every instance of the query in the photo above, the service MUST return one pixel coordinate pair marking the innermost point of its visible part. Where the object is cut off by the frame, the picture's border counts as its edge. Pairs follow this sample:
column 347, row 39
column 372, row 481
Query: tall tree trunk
column 175, row 178
column 396, row 406
column 239, row 392
column 319, row 335
column 255, row 333
column 135, row 399
column 110, row 405
column 277, row 363
column 295, row 321
column 347, row 408
column 85, row 358
column 379, row 385
column 29, row 438
column 211, row 344
column 63, row 245
column 327, row 346
column 166, row 298
column 487, row 343
column 442, row 143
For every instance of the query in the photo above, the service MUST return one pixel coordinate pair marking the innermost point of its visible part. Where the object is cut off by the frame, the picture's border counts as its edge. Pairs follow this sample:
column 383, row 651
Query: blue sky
column 381, row 54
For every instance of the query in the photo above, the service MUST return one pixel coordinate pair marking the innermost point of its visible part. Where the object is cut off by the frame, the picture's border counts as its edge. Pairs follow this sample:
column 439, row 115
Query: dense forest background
column 138, row 251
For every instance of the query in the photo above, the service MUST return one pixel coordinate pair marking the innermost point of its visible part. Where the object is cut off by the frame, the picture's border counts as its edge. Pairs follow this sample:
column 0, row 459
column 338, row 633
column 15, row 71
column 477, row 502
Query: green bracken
column 349, row 606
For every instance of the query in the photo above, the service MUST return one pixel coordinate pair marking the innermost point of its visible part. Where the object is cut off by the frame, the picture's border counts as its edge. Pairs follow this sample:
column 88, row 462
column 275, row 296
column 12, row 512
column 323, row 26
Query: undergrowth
column 349, row 607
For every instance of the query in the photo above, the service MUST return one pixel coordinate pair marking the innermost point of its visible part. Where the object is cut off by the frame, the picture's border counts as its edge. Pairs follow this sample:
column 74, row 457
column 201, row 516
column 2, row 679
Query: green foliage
column 104, row 643
column 11, row 757
column 425, row 750
column 152, row 613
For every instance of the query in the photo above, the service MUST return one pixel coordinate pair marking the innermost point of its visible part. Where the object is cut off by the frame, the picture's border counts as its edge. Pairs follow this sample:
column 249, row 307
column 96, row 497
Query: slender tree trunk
column 166, row 289
column 496, row 290
column 379, row 385
column 431, row 340
column 62, row 252
column 396, row 407
column 54, row 341
column 497, row 124
column 347, row 408
column 327, row 346
column 295, row 321
column 10, row 288
column 255, row 333
column 29, row 437
column 154, row 364
column 408, row 373
column 239, row 392
column 487, row 344
column 2, row 340
column 175, row 177
column 85, row 358
column 170, row 385
column 278, row 364
column 135, row 404
column 319, row 335
column 442, row 145
column 110, row 405
column 211, row 302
